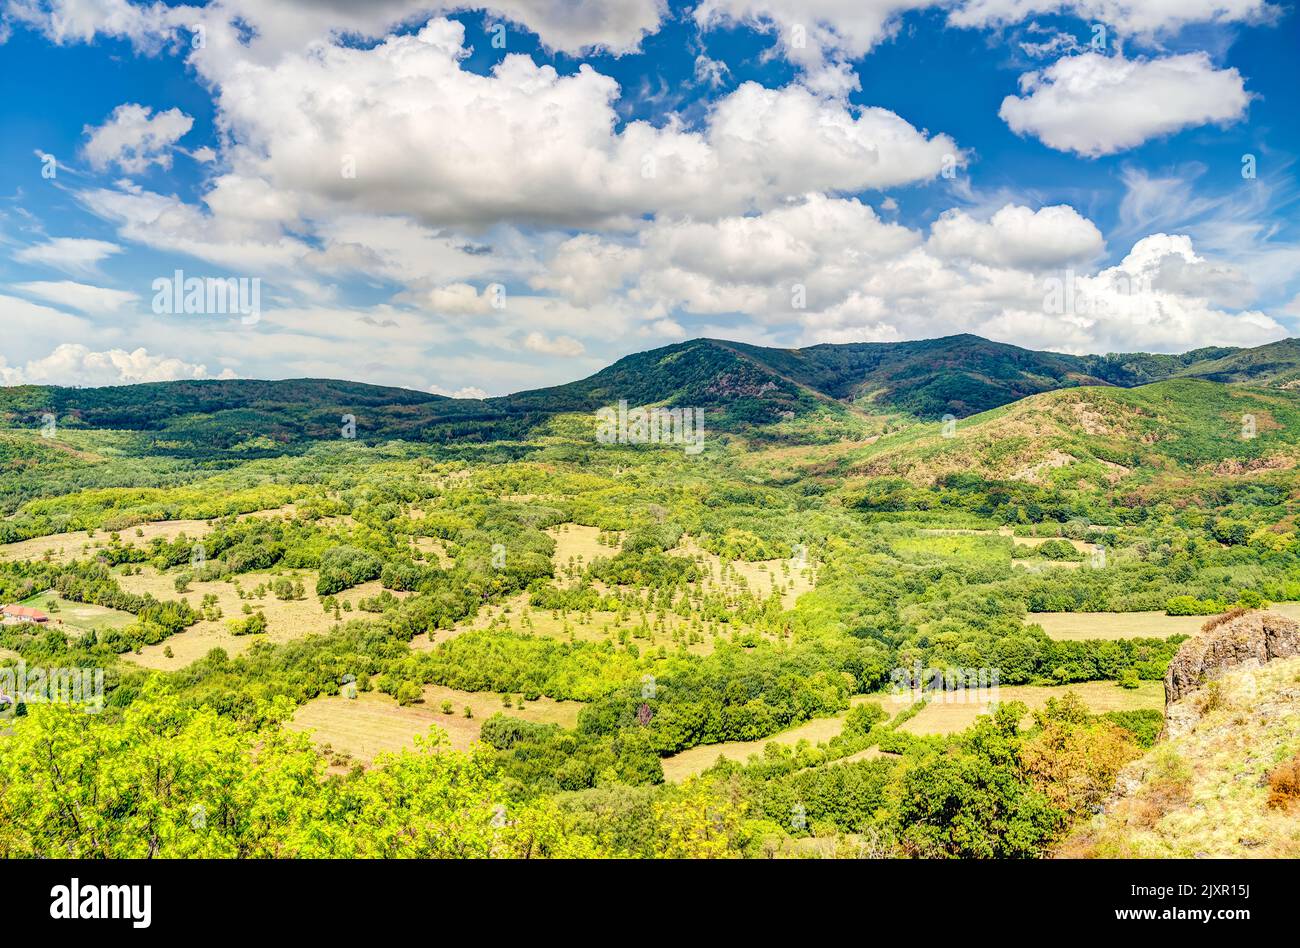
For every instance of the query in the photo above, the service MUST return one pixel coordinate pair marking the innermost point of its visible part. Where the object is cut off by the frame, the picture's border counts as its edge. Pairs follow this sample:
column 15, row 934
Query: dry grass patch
column 666, row 629
column 361, row 728
column 1076, row 626
column 285, row 619
column 576, row 546
column 373, row 723
column 432, row 550
column 696, row 760
column 939, row 717
column 759, row 578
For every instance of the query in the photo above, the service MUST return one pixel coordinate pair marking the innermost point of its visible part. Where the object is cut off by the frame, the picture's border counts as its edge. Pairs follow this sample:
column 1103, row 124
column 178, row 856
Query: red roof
column 23, row 612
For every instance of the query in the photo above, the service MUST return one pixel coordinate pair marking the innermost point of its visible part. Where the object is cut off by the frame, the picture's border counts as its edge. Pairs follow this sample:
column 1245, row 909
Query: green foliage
column 1144, row 726
column 1191, row 606
column 164, row 779
column 342, row 567
column 971, row 800
column 254, row 624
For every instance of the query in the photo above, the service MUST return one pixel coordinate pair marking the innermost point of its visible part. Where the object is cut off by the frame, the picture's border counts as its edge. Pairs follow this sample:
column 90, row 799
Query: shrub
column 504, row 732
column 1169, row 784
column 253, row 625
column 863, row 717
column 1191, row 606
column 1145, row 725
column 1284, row 785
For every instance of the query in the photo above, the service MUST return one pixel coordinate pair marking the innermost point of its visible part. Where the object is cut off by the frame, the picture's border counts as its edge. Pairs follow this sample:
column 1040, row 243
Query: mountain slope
column 1276, row 365
column 958, row 375
column 253, row 417
column 707, row 373
column 1101, row 435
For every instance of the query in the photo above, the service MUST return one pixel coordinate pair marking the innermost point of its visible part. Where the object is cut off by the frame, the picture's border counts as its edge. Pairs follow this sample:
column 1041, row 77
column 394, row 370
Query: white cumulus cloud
column 830, row 270
column 1096, row 105
column 135, row 137
column 75, row 364
column 1019, row 237
column 403, row 128
column 1147, row 18
column 565, row 346
column 809, row 31
column 572, row 26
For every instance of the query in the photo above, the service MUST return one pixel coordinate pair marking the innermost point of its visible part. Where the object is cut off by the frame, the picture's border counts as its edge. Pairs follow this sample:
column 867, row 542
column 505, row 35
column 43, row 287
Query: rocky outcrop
column 1203, row 790
column 1250, row 638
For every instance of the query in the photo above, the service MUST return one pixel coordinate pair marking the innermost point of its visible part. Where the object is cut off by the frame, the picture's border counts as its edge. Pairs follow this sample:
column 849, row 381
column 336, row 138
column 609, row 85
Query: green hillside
column 1276, row 365
column 1103, row 435
column 957, row 375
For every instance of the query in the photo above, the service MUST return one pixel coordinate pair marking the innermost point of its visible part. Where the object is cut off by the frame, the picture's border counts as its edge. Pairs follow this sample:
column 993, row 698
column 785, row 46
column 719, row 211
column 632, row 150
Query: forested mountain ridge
column 746, row 388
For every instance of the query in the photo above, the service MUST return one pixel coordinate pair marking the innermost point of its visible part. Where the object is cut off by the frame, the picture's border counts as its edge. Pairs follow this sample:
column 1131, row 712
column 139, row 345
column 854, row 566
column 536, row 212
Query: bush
column 1284, row 785
column 863, row 717
column 287, row 589
column 1191, row 606
column 1058, row 550
column 1145, row 725
column 504, row 732
column 403, row 576
column 253, row 625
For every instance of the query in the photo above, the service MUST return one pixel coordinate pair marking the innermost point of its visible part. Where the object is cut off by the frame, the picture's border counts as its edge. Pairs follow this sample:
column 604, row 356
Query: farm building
column 13, row 614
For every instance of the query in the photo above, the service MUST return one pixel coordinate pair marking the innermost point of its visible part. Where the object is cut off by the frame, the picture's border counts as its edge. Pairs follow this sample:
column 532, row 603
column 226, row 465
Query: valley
column 630, row 649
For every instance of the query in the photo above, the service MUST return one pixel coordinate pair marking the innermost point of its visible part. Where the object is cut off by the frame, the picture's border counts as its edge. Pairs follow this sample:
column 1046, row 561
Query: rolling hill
column 1101, row 435
column 1276, row 365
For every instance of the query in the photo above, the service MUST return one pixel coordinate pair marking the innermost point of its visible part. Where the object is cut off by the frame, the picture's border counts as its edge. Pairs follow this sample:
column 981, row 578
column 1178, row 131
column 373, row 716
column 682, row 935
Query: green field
column 78, row 616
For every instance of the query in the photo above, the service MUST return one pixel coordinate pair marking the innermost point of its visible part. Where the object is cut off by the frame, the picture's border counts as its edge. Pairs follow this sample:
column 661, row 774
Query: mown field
column 78, row 617
column 371, row 724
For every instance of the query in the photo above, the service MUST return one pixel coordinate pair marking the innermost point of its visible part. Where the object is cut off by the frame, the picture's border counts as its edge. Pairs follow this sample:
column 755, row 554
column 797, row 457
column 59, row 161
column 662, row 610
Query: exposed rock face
column 1203, row 790
column 1226, row 642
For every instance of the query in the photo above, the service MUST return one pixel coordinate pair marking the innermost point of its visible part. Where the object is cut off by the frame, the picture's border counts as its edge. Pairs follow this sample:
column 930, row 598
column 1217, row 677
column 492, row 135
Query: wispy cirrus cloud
column 80, row 296
column 74, row 255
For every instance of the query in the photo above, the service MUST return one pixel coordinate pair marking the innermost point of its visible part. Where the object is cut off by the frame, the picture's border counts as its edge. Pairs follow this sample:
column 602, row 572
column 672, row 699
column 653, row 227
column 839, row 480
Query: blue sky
column 409, row 202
